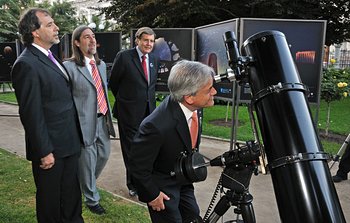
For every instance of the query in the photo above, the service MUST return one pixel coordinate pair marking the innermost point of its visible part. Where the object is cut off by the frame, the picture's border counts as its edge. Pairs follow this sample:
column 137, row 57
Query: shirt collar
column 187, row 112
column 87, row 61
column 140, row 53
column 46, row 52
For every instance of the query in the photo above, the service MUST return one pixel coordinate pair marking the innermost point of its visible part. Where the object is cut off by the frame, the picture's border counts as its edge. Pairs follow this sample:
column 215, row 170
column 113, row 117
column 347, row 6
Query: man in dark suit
column 161, row 139
column 48, row 115
column 91, row 99
column 133, row 80
column 344, row 166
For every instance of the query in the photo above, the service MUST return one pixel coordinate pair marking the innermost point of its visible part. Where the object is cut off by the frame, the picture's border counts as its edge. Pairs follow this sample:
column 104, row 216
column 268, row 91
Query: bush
column 334, row 86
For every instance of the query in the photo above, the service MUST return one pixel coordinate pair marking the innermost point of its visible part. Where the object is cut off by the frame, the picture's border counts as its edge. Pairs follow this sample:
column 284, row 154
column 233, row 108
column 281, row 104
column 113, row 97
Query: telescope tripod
column 237, row 182
column 341, row 151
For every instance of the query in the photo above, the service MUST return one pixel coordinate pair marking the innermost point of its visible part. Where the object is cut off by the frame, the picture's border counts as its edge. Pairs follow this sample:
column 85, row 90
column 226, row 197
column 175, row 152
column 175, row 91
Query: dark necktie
column 144, row 66
column 101, row 99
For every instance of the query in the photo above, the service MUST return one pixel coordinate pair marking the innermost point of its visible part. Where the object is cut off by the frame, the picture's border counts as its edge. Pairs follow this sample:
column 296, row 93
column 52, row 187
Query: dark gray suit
column 95, row 131
column 48, row 115
column 135, row 98
column 161, row 138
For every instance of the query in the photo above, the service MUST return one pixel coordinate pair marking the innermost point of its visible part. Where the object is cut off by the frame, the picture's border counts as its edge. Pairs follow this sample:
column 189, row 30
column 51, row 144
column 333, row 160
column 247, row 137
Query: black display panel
column 306, row 41
column 171, row 45
column 7, row 58
column 108, row 45
column 210, row 50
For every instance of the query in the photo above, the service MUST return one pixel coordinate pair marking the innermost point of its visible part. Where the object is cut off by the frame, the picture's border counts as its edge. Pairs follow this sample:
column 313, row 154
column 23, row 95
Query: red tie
column 144, row 66
column 101, row 99
column 194, row 129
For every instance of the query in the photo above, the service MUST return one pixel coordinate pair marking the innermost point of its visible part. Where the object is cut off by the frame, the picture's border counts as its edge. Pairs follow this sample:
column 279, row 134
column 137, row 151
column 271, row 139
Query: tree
column 10, row 11
column 190, row 14
column 160, row 13
column 337, row 14
column 334, row 86
column 64, row 16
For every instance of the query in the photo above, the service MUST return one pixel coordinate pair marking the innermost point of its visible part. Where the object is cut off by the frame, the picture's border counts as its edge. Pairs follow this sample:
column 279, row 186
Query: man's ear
column 76, row 42
column 188, row 99
column 35, row 34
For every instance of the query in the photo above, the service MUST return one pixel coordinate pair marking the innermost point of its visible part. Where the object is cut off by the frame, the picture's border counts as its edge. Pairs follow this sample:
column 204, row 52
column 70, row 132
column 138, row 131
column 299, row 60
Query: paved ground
column 113, row 176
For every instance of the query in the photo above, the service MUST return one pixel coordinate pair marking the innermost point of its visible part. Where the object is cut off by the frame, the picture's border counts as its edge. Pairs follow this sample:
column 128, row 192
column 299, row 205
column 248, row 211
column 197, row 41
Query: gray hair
column 187, row 77
column 144, row 30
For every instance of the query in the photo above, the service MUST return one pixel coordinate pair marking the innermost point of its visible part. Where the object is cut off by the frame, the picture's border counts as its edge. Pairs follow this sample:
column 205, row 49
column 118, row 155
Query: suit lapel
column 45, row 59
column 182, row 126
column 102, row 75
column 85, row 72
column 137, row 62
column 152, row 68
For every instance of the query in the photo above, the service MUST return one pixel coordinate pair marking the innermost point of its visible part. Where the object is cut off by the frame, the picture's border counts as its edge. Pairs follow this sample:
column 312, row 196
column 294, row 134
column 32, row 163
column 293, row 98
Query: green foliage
column 10, row 11
column 64, row 15
column 334, row 85
column 163, row 13
column 339, row 117
column 195, row 13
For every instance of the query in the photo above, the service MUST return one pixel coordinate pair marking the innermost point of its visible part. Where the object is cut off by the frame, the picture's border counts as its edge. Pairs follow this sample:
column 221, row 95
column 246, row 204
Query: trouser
column 344, row 164
column 92, row 160
column 181, row 208
column 58, row 195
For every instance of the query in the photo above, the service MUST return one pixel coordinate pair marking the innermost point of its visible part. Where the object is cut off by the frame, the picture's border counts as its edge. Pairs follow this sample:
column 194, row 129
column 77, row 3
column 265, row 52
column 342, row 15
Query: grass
column 17, row 197
column 8, row 97
column 340, row 119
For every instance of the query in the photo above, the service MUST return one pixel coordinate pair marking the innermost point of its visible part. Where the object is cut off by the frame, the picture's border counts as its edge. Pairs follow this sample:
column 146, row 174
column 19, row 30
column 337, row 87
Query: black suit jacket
column 161, row 139
column 46, row 106
column 130, row 88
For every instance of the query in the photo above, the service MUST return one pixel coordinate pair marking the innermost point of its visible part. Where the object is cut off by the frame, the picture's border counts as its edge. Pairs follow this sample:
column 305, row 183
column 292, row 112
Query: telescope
column 301, row 179
column 302, row 182
column 239, row 165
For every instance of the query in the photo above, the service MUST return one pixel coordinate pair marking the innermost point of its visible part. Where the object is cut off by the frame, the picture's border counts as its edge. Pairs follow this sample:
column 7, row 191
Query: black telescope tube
column 232, row 53
column 302, row 181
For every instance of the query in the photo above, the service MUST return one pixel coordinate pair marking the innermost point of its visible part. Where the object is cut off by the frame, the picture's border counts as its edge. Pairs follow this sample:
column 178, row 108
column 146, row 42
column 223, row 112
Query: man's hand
column 158, row 203
column 47, row 162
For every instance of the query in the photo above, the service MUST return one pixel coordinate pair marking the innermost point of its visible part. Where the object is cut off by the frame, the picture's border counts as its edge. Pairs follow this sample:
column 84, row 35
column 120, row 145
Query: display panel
column 210, row 50
column 7, row 58
column 108, row 45
column 171, row 45
column 306, row 41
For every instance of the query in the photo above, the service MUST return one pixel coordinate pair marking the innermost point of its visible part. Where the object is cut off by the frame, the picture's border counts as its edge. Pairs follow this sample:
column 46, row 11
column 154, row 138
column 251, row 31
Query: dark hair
column 77, row 55
column 144, row 30
column 28, row 23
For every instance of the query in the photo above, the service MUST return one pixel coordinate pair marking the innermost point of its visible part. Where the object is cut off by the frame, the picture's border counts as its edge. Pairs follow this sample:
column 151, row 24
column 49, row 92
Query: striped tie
column 101, row 99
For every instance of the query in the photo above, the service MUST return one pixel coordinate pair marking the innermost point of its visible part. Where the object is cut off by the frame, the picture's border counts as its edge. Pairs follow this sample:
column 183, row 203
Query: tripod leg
column 341, row 151
column 220, row 209
column 248, row 214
